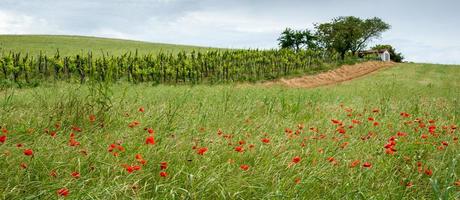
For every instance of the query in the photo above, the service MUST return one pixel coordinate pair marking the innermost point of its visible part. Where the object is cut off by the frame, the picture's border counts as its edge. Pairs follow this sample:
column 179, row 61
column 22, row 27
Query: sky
column 423, row 30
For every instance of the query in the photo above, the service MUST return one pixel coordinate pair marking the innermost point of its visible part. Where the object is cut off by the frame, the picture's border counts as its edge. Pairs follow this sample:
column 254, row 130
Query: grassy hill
column 70, row 45
column 260, row 151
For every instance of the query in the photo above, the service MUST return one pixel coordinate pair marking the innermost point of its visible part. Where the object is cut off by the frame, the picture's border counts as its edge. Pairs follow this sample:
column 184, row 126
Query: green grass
column 71, row 45
column 184, row 116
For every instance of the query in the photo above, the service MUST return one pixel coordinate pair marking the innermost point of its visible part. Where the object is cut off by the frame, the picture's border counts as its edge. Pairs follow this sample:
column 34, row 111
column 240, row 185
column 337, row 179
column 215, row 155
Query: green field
column 424, row 163
column 71, row 45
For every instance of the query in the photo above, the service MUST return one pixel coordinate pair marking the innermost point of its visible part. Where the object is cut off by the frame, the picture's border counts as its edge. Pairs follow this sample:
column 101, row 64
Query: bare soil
column 344, row 73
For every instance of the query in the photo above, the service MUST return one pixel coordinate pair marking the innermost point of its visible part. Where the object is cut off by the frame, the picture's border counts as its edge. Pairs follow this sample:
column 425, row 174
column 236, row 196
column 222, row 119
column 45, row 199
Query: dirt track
column 344, row 73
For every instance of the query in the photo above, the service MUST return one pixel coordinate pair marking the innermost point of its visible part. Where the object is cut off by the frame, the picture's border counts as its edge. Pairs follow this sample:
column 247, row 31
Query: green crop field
column 389, row 135
column 71, row 45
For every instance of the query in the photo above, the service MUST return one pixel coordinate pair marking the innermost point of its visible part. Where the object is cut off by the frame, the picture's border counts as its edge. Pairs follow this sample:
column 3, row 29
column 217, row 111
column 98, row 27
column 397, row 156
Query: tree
column 344, row 34
column 296, row 39
column 394, row 56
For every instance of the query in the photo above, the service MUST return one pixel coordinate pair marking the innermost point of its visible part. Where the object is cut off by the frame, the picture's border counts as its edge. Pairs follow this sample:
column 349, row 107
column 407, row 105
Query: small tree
column 394, row 56
column 296, row 39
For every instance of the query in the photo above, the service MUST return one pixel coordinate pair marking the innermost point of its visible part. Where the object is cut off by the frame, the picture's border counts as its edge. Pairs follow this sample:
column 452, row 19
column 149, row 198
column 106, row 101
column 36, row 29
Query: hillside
column 70, row 45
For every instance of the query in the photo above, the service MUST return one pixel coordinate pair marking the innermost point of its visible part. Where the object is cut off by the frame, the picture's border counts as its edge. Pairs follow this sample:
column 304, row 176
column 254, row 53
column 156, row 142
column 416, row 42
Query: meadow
column 71, row 45
column 389, row 135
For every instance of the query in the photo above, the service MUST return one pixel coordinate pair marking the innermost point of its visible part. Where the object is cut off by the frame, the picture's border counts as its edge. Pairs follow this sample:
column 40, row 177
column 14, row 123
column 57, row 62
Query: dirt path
column 344, row 73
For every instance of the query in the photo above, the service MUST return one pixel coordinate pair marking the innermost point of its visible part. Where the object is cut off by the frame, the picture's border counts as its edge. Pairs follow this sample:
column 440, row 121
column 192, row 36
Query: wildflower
column 367, row 165
column 92, row 118
column 404, row 114
column 202, row 150
column 150, row 140
column 163, row 165
column 76, row 128
column 296, row 159
column 428, row 172
column 297, row 180
column 133, row 124
column 23, row 165
column 63, row 192
column 239, row 149
column 2, row 139
column 141, row 109
column 28, row 152
column 376, row 123
column 75, row 175
column 457, row 183
column 163, row 174
column 53, row 173
column 140, row 159
column 343, row 145
column 244, row 167
column 265, row 140
column 151, row 131
column 370, row 119
column 335, row 121
column 355, row 163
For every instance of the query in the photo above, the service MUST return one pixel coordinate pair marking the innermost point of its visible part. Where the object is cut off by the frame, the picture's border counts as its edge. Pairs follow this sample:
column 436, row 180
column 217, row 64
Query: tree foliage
column 349, row 34
column 296, row 39
column 395, row 56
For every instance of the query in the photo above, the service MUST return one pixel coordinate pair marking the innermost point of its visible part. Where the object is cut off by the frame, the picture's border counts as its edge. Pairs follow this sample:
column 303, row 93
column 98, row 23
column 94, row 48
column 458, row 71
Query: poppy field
column 389, row 135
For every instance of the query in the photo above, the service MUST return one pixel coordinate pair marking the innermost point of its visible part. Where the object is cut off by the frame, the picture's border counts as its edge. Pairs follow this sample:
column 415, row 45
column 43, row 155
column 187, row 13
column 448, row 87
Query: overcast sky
column 424, row 30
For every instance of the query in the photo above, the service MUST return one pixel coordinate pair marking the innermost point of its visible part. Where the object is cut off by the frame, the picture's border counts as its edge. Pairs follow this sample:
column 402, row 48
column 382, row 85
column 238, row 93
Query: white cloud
column 16, row 23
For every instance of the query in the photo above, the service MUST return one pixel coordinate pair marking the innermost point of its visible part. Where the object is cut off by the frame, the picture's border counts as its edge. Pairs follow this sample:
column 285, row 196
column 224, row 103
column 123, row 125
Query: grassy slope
column 177, row 113
column 71, row 45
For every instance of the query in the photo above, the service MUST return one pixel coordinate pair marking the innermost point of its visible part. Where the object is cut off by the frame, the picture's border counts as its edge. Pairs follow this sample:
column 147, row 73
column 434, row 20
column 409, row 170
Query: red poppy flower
column 424, row 136
column 133, row 124
column 150, row 140
column 403, row 114
column 241, row 142
column 265, row 140
column 343, row 145
column 163, row 165
column 335, row 121
column 355, row 163
column 63, row 192
column 140, row 159
column 445, row 143
column 297, row 181
column 73, row 142
column 163, row 174
column 141, row 109
column 4, row 130
column 251, row 146
column 239, row 149
column 202, row 150
column 244, row 167
column 428, row 172
column 376, row 110
column 457, row 183
column 367, row 165
column 129, row 169
column 296, row 159
column 28, row 152
column 151, row 131
column 2, row 139
column 75, row 175
column 76, row 128
column 92, row 118
column 53, row 173
column 136, row 167
column 370, row 118
column 23, row 165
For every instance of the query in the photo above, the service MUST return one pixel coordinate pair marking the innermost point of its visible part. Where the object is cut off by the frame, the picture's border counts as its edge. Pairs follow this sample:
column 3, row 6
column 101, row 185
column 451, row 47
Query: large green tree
column 296, row 39
column 349, row 34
